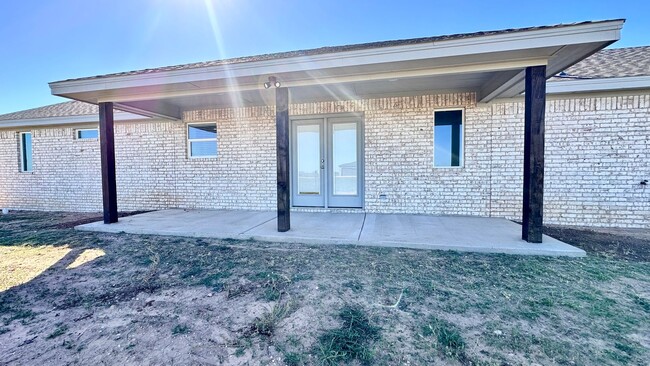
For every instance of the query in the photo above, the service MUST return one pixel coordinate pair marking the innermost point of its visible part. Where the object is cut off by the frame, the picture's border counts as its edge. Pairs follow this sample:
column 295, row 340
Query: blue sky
column 52, row 40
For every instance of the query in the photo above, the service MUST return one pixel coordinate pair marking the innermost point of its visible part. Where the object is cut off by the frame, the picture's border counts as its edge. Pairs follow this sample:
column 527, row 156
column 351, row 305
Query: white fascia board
column 66, row 120
column 539, row 38
column 403, row 74
column 595, row 85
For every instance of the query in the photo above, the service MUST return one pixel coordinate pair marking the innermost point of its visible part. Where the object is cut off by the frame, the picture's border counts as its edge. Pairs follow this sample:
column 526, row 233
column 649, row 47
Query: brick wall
column 596, row 155
column 66, row 174
column 597, row 152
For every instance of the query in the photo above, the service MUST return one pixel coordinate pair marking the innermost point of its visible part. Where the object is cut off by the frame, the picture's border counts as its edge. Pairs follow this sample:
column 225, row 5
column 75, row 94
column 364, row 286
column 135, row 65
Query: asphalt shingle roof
column 72, row 108
column 611, row 63
column 65, row 109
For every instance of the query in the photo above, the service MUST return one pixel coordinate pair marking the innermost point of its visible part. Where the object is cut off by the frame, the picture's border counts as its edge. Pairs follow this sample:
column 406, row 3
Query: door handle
column 322, row 163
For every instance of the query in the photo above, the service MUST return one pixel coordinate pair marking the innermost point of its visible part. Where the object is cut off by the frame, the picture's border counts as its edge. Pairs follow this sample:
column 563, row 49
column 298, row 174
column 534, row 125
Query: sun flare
column 22, row 264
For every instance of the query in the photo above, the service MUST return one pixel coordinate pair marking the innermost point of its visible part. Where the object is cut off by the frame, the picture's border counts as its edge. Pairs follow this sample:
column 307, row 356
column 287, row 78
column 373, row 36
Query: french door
column 327, row 162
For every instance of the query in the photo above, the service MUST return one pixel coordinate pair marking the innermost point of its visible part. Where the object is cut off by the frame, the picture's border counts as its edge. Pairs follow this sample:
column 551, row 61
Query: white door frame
column 326, row 199
column 306, row 200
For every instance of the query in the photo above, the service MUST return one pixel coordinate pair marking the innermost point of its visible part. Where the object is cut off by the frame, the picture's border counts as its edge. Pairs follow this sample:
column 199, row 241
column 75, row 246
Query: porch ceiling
column 334, row 91
column 491, row 65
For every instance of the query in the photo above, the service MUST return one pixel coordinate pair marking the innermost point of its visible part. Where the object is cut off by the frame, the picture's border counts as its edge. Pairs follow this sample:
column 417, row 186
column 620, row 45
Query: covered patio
column 476, row 234
column 491, row 65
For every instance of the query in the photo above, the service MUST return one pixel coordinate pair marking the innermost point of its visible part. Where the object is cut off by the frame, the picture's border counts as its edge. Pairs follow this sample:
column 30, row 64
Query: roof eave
column 65, row 120
column 598, row 85
column 605, row 31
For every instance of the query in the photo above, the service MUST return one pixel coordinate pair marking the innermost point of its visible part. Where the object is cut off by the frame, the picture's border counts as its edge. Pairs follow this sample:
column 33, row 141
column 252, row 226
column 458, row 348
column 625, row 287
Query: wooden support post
column 282, row 153
column 107, row 147
column 535, row 100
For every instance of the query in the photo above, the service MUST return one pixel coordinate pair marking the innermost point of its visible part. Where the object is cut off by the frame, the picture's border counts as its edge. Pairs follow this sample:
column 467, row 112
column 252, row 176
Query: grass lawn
column 69, row 297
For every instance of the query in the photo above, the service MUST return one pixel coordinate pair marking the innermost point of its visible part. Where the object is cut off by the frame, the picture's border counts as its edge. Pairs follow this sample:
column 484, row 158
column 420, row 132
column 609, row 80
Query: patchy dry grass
column 446, row 338
column 132, row 299
column 353, row 340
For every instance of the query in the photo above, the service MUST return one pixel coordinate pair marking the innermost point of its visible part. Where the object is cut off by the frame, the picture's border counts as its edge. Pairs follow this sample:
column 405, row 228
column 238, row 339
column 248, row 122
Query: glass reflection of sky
column 345, row 148
column 442, row 153
column 344, row 151
column 27, row 152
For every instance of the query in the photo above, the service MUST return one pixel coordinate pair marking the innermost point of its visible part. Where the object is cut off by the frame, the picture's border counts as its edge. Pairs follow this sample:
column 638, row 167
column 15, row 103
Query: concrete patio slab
column 223, row 224
column 473, row 234
column 313, row 228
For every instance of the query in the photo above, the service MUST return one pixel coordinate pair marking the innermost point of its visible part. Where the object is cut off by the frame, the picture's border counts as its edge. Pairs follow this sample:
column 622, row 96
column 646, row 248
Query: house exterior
column 433, row 126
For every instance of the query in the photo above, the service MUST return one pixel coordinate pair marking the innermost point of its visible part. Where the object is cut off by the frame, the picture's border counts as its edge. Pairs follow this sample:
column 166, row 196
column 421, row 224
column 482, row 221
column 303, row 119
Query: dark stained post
column 107, row 147
column 535, row 100
column 282, row 153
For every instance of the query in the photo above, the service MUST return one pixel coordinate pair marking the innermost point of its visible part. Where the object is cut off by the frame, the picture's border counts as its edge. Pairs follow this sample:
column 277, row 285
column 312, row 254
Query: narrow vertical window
column 448, row 139
column 202, row 140
column 25, row 151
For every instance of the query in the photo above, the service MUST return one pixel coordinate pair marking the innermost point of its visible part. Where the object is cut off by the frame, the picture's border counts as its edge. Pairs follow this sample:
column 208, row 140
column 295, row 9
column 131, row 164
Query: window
column 87, row 134
column 448, row 139
column 25, row 151
column 202, row 140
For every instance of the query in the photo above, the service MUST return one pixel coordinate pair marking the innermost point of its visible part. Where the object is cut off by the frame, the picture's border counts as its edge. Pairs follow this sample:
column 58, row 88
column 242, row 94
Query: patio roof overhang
column 491, row 64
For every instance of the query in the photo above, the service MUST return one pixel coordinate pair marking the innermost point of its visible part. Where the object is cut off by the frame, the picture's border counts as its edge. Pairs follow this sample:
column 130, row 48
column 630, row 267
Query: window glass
column 87, row 134
column 207, row 131
column 202, row 139
column 448, row 139
column 203, row 148
column 26, row 151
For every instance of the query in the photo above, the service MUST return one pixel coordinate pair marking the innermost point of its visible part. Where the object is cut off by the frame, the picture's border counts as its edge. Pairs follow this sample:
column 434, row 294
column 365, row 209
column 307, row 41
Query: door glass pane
column 308, row 158
column 344, row 159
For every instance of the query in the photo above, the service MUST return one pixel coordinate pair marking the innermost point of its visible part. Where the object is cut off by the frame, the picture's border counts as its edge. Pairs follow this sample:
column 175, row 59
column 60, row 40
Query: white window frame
column 22, row 154
column 462, row 138
column 76, row 134
column 189, row 140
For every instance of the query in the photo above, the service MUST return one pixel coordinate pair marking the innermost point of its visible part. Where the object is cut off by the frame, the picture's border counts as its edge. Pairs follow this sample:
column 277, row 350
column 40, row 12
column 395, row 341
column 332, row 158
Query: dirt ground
column 79, row 298
column 626, row 244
